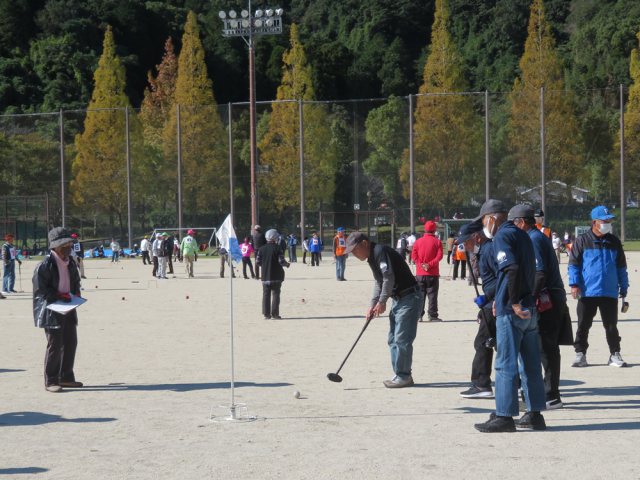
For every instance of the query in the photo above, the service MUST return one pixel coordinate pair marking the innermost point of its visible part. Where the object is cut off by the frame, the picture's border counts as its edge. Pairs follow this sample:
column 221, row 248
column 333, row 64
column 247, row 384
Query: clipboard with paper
column 64, row 307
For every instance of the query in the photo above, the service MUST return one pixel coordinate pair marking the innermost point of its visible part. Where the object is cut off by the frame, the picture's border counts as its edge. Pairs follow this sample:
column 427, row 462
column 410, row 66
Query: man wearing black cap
column 539, row 217
column 554, row 322
column 516, row 321
column 56, row 279
column 475, row 241
column 393, row 278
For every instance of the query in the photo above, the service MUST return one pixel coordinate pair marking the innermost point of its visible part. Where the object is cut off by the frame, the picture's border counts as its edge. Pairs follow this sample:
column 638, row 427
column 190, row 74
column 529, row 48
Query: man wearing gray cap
column 554, row 322
column 394, row 280
column 56, row 279
column 271, row 258
column 516, row 321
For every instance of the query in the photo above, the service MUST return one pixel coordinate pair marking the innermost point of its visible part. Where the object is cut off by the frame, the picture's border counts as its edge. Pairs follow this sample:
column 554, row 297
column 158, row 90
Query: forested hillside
column 49, row 49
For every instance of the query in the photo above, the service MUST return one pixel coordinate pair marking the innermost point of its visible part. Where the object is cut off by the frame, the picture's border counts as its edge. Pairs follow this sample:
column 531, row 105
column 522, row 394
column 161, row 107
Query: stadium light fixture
column 248, row 28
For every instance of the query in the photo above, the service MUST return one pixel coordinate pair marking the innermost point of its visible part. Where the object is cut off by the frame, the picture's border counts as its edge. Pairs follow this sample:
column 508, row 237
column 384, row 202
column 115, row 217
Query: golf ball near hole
column 296, row 394
column 187, row 297
column 302, row 300
column 123, row 298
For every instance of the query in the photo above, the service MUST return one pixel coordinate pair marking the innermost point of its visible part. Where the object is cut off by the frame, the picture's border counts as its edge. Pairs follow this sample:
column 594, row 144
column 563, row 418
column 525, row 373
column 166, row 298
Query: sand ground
column 155, row 364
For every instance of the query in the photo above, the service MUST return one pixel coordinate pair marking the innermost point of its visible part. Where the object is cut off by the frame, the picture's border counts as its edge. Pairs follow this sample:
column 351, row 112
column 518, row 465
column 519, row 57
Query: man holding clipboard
column 56, row 281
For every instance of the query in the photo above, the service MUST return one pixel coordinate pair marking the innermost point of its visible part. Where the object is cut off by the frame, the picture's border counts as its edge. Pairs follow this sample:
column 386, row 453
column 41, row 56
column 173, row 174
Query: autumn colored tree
column 99, row 168
column 446, row 130
column 631, row 129
column 541, row 67
column 280, row 146
column 204, row 140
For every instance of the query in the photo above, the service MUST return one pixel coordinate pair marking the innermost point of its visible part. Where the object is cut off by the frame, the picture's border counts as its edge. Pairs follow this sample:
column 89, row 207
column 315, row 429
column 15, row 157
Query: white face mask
column 489, row 233
column 604, row 228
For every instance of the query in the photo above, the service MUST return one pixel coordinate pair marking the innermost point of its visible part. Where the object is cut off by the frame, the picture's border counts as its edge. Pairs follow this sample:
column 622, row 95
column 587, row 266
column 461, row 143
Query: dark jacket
column 168, row 247
column 271, row 258
column 45, row 286
column 257, row 241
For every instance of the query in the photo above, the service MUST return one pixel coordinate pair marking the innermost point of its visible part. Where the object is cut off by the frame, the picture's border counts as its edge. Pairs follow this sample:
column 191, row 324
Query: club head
column 625, row 307
column 334, row 377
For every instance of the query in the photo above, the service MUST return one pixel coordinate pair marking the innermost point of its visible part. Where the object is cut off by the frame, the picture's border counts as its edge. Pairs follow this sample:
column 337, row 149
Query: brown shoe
column 71, row 384
column 54, row 388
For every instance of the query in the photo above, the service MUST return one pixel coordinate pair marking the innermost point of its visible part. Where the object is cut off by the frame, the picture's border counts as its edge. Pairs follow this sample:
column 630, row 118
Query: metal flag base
column 238, row 412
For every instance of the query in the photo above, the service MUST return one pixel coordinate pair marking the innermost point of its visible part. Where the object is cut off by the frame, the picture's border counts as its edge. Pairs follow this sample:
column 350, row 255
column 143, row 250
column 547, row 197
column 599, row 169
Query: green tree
column 99, row 168
column 280, row 146
column 446, row 129
column 541, row 67
column 204, row 140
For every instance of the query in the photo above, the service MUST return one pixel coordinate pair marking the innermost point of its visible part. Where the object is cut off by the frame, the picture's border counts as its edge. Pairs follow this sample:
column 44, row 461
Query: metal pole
column 543, row 167
column 623, row 199
column 302, row 204
column 46, row 235
column 63, row 191
column 412, row 166
column 253, row 140
column 487, row 175
column 179, row 139
column 232, row 201
column 129, row 214
column 233, row 398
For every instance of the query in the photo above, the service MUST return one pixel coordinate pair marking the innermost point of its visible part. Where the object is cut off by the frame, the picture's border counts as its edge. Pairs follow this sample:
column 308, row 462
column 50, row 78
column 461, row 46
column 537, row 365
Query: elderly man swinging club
column 55, row 279
column 393, row 279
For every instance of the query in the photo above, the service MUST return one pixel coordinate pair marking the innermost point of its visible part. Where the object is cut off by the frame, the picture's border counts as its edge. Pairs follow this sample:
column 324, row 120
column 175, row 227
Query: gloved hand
column 63, row 297
column 481, row 301
column 623, row 292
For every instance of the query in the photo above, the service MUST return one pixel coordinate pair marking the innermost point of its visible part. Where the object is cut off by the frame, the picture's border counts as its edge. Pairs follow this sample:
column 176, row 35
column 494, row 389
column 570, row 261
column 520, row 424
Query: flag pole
column 233, row 400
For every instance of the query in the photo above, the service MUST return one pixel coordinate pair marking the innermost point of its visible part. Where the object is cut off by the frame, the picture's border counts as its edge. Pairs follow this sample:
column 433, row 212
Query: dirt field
column 155, row 364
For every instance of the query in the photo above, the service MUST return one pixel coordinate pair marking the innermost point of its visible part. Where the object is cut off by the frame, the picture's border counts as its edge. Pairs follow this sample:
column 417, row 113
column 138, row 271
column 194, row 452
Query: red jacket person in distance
column 427, row 253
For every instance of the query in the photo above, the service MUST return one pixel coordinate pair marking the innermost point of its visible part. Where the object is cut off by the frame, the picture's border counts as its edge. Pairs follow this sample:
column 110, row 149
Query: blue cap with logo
column 340, row 229
column 601, row 213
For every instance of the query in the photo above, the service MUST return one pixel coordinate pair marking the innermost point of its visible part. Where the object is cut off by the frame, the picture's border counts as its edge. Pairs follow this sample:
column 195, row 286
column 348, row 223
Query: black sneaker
column 554, row 404
column 497, row 425
column 490, row 343
column 477, row 392
column 531, row 420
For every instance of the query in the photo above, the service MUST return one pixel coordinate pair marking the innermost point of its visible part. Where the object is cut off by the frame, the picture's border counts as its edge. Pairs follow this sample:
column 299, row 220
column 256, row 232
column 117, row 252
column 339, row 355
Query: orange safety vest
column 459, row 253
column 341, row 244
column 546, row 231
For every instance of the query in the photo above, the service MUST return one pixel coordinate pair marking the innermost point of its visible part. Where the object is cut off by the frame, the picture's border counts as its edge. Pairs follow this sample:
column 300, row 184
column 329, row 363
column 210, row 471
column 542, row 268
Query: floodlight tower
column 267, row 22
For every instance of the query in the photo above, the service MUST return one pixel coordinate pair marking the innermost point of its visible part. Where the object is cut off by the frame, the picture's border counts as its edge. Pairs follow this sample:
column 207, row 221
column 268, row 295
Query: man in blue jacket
column 597, row 274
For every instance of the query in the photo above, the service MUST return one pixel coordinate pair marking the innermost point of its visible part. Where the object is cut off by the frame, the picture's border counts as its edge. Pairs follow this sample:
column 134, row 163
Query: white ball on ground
column 296, row 394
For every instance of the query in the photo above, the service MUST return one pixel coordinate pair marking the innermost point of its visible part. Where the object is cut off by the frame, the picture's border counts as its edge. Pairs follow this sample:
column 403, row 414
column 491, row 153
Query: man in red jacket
column 427, row 253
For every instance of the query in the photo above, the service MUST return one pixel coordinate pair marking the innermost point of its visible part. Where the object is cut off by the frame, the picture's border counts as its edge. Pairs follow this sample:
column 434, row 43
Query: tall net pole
column 487, row 174
column 63, row 180
column 129, row 206
column 623, row 197
column 412, row 166
column 302, row 204
column 543, row 167
column 179, row 144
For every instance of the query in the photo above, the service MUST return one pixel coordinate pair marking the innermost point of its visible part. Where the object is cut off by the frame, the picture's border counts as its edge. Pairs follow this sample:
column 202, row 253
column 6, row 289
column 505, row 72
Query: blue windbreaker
column 598, row 265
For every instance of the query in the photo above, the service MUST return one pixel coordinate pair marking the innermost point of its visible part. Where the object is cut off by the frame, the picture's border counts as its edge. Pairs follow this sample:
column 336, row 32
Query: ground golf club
column 334, row 377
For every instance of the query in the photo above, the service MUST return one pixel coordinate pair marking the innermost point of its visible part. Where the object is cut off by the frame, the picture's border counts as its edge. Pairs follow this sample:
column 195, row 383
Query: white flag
column 227, row 238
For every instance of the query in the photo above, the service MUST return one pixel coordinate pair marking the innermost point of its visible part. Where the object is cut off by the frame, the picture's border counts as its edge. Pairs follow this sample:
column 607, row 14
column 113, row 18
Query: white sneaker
column 397, row 382
column 554, row 404
column 616, row 360
column 581, row 360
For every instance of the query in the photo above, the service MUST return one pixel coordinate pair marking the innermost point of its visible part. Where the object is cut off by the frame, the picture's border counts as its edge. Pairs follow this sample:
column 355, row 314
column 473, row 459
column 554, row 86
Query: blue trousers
column 9, row 278
column 517, row 339
column 403, row 326
column 341, row 262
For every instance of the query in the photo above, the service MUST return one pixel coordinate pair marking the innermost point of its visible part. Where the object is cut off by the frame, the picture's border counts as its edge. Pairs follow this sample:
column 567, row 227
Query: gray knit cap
column 271, row 235
column 60, row 236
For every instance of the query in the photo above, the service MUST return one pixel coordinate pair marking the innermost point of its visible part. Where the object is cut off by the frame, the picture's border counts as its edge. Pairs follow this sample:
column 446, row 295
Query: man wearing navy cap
column 597, row 274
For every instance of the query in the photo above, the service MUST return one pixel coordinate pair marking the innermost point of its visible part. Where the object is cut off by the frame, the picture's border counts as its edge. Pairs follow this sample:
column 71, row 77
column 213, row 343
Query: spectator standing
column 56, row 279
column 145, row 247
column 411, row 239
column 282, row 243
column 450, row 245
column 159, row 252
column 257, row 241
column 189, row 251
column 516, row 321
column 247, row 250
column 305, row 249
column 557, row 245
column 168, row 251
column 339, row 247
column 539, row 217
column 78, row 255
column 9, row 258
column 224, row 260
column 176, row 248
column 115, row 248
column 315, row 246
column 293, row 246
column 597, row 274
column 401, row 245
column 426, row 254
column 271, row 258
column 155, row 251
column 459, row 260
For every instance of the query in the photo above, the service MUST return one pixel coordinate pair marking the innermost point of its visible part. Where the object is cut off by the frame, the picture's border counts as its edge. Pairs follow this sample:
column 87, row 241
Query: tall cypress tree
column 204, row 141
column 99, row 168
column 280, row 149
column 541, row 67
column 446, row 129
